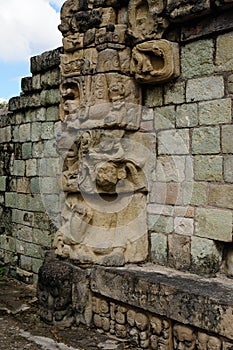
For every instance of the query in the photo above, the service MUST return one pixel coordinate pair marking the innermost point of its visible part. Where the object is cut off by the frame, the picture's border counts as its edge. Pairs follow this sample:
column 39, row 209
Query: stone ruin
column 143, row 251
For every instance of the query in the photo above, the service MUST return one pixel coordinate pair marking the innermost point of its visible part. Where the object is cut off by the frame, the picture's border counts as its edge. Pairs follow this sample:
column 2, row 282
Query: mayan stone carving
column 110, row 47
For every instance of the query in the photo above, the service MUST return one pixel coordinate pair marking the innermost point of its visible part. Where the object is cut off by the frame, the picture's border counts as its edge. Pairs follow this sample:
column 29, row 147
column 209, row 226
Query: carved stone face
column 156, row 325
column 213, row 343
column 184, row 338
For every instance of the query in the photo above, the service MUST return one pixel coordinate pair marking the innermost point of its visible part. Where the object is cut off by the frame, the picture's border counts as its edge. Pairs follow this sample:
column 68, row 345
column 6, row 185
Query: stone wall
column 29, row 167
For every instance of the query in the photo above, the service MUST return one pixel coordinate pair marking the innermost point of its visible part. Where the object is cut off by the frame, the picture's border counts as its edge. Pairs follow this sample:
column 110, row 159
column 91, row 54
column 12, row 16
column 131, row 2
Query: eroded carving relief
column 109, row 48
column 150, row 331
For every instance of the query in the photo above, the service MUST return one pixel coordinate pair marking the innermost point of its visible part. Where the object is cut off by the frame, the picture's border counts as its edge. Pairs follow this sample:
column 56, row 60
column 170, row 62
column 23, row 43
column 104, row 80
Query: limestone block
column 195, row 193
column 19, row 168
column 214, row 224
column 170, row 168
column 3, row 183
column 215, row 112
column 206, row 256
column 50, row 78
column 50, row 148
column 49, row 97
column 228, row 168
column 208, row 168
column 159, row 248
column 186, row 115
column 23, row 185
column 174, row 93
column 31, row 167
column 45, row 61
column 27, row 150
column 184, row 226
column 223, row 52
column 160, row 223
column 206, row 140
column 24, row 233
column 47, row 130
column 179, row 252
column 166, row 193
column 5, row 134
column 24, row 132
column 227, row 139
column 26, row 84
column 41, row 237
column 52, row 113
column 36, row 82
column 164, row 117
column 197, row 58
column 35, row 115
column 155, row 61
column 173, row 142
column 205, row 88
column 221, row 196
column 154, row 96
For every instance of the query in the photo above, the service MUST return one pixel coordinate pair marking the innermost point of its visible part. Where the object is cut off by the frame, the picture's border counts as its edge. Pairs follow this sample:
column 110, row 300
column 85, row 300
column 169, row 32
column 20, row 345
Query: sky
column 28, row 28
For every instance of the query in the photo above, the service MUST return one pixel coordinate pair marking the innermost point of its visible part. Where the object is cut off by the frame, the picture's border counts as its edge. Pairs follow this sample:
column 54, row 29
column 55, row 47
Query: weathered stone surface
column 208, row 168
column 173, row 142
column 221, row 196
column 154, row 96
column 164, row 117
column 179, row 297
column 160, row 223
column 228, row 168
column 170, row 168
column 227, row 138
column 159, row 248
column 179, row 252
column 206, row 256
column 181, row 9
column 186, row 115
column 214, row 224
column 223, row 52
column 206, row 88
column 215, row 23
column 174, row 93
column 166, row 193
column 206, row 140
column 215, row 112
column 197, row 58
column 45, row 61
column 195, row 193
column 184, row 226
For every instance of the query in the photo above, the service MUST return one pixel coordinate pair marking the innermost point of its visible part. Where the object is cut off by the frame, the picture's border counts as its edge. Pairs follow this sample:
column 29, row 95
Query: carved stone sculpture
column 109, row 48
column 184, row 338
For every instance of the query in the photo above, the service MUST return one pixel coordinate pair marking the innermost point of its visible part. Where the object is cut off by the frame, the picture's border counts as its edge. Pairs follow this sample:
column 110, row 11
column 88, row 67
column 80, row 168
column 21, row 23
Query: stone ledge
column 182, row 297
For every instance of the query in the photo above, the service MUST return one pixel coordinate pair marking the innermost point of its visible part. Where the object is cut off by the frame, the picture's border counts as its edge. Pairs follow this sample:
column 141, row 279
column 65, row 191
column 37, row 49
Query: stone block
column 154, row 96
column 179, row 252
column 159, row 248
column 25, row 263
column 221, row 196
column 50, row 97
column 206, row 256
column 41, row 237
column 160, row 209
column 206, row 140
column 227, row 138
column 52, row 113
column 25, row 132
column 184, row 211
column 170, row 168
column 52, row 203
column 51, row 78
column 228, row 168
column 24, row 233
column 208, row 168
column 26, row 84
column 195, row 193
column 181, row 9
column 160, row 223
column 31, row 167
column 45, row 61
column 187, row 115
column 3, row 183
column 49, row 185
column 35, row 185
column 197, row 58
column 206, row 88
column 29, row 249
column 215, row 112
column 166, row 193
column 36, row 264
column 23, row 185
column 19, row 168
column 173, row 142
column 36, row 132
column 5, row 134
column 27, row 150
column 49, row 167
column 47, row 130
column 36, row 82
column 164, row 117
column 174, row 93
column 184, row 226
column 214, row 224
column 50, row 148
column 224, row 52
column 38, row 149
column 35, row 115
column 35, row 203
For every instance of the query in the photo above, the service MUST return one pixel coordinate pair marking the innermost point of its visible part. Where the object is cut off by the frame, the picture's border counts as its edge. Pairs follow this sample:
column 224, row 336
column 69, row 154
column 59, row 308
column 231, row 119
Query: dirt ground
column 21, row 327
